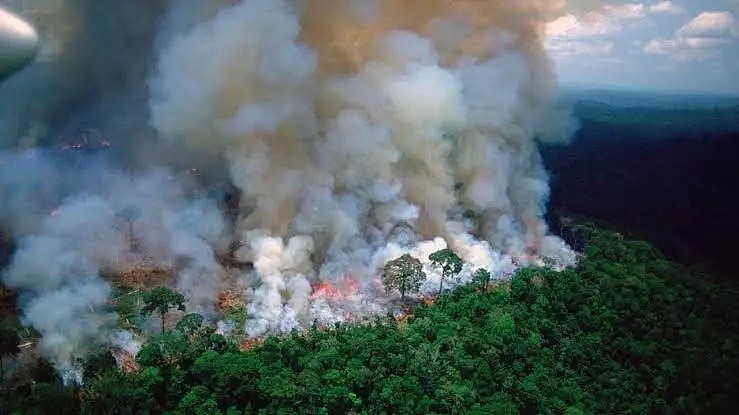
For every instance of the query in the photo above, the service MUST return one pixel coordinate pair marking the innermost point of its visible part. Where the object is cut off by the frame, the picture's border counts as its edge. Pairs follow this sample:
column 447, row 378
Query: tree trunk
column 402, row 293
column 163, row 322
column 441, row 287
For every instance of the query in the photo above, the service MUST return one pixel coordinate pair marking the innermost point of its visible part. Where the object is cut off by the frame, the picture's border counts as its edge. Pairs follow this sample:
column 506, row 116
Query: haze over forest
column 370, row 206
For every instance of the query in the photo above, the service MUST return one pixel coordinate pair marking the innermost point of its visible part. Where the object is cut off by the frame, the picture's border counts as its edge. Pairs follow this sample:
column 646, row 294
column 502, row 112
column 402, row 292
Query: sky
column 679, row 45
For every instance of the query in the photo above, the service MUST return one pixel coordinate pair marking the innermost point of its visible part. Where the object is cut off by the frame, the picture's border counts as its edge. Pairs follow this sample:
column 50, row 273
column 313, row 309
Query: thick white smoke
column 351, row 131
column 58, row 263
column 338, row 139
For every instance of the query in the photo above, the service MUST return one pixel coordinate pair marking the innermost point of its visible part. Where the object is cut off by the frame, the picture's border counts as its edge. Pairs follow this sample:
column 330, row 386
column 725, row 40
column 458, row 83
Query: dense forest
column 626, row 331
column 659, row 166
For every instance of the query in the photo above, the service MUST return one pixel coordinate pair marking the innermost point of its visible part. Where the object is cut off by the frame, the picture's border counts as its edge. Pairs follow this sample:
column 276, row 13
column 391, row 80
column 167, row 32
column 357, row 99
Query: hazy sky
column 654, row 44
column 668, row 45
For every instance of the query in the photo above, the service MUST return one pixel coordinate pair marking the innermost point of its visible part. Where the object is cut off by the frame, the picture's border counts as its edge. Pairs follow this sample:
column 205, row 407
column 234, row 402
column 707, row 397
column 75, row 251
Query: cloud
column 686, row 48
column 644, row 37
column 604, row 20
column 665, row 7
column 624, row 12
column 587, row 34
column 710, row 24
column 704, row 37
column 581, row 47
column 571, row 26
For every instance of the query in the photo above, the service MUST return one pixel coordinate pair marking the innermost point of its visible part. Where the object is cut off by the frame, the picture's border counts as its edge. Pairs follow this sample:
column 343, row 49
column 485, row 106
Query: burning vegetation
column 579, row 332
column 273, row 161
column 144, row 274
column 283, row 168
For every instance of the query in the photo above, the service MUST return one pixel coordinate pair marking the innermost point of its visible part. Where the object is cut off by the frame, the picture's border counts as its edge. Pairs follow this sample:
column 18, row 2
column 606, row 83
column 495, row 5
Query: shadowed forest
column 662, row 167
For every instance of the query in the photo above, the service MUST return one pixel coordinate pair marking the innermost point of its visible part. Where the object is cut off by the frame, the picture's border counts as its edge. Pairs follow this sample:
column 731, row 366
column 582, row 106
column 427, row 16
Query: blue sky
column 682, row 45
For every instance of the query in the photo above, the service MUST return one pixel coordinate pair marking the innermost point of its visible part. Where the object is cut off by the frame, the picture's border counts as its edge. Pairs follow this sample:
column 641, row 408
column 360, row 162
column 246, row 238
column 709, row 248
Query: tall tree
column 482, row 277
column 404, row 274
column 160, row 300
column 449, row 262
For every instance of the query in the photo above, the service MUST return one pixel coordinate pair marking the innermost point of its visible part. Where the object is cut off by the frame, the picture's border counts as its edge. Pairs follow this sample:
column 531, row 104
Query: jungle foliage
column 626, row 331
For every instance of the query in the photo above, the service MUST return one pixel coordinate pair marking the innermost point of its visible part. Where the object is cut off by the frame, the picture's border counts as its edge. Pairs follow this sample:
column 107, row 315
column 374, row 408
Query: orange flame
column 250, row 344
column 335, row 292
column 326, row 290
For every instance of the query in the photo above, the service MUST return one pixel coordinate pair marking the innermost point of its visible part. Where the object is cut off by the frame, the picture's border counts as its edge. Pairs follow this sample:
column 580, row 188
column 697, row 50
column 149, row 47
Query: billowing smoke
column 92, row 69
column 345, row 132
column 109, row 222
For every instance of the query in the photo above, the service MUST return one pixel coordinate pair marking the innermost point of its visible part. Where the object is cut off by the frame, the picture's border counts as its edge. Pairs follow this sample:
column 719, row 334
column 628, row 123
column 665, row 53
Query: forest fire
column 144, row 274
column 345, row 287
column 250, row 344
column 125, row 361
column 271, row 193
column 351, row 192
column 230, row 300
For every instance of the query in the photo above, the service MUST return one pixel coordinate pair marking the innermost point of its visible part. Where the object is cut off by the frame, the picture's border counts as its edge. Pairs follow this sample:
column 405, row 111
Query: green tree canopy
column 160, row 300
column 482, row 278
column 404, row 274
column 449, row 262
column 623, row 332
column 191, row 324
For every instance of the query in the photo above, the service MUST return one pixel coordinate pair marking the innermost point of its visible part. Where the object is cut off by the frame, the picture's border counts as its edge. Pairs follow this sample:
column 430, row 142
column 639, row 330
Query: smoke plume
column 310, row 140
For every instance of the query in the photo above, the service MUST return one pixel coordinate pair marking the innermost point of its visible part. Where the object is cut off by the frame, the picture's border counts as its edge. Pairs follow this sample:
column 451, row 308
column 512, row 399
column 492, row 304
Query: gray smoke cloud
column 81, row 228
column 351, row 131
column 92, row 70
column 340, row 121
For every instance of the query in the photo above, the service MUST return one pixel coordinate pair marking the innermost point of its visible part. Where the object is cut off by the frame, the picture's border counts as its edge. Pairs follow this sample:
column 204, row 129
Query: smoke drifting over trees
column 352, row 132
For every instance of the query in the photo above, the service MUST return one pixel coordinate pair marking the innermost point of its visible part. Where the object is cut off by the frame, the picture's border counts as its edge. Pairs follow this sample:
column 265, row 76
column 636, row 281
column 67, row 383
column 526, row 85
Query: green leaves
column 482, row 279
column 160, row 300
column 198, row 401
column 449, row 262
column 404, row 274
column 624, row 332
column 165, row 350
column 191, row 324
